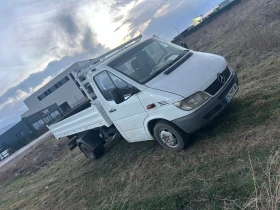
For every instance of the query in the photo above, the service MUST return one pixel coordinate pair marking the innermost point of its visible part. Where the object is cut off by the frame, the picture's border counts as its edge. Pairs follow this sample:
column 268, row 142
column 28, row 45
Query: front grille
column 226, row 90
column 217, row 85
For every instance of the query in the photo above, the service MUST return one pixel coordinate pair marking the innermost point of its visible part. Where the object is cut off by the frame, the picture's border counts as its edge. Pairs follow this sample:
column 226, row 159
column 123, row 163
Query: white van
column 148, row 90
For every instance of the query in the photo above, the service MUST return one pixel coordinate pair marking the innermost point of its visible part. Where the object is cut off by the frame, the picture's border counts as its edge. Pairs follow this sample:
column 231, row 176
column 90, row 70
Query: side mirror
column 117, row 95
column 184, row 44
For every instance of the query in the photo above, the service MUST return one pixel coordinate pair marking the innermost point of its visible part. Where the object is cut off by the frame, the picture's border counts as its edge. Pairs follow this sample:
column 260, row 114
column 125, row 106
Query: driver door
column 128, row 116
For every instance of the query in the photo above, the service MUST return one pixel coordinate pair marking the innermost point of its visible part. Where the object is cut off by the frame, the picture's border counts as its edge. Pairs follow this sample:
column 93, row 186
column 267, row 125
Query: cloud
column 66, row 22
column 162, row 11
column 8, row 101
column 137, row 18
column 88, row 40
column 20, row 94
column 118, row 5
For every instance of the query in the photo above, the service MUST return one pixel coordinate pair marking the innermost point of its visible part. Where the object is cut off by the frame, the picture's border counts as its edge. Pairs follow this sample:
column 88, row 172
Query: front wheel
column 170, row 136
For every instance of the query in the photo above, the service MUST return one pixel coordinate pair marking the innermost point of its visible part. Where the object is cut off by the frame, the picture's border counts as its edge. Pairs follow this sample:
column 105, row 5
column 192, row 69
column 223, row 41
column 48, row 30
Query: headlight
column 192, row 101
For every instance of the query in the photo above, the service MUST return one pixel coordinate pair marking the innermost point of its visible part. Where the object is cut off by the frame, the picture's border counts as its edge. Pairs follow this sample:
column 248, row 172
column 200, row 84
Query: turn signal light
column 150, row 106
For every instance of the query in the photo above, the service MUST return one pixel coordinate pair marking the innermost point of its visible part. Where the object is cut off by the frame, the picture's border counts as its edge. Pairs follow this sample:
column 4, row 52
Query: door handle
column 112, row 110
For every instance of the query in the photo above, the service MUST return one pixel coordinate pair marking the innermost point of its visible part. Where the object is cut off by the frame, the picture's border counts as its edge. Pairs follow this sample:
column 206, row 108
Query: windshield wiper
column 182, row 54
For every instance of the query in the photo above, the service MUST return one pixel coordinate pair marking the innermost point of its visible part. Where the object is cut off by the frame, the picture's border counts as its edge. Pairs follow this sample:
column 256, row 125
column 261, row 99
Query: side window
column 107, row 81
column 122, row 85
column 104, row 84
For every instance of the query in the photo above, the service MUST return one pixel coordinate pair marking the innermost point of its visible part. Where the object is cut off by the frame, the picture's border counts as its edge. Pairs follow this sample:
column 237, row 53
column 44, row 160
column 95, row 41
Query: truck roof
column 81, row 72
column 112, row 54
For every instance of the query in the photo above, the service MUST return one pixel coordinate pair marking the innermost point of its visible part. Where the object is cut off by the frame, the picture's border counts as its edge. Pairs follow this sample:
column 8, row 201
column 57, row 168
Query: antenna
column 177, row 31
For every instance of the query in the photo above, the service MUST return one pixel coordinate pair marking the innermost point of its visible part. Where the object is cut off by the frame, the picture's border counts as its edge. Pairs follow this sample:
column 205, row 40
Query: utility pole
column 177, row 30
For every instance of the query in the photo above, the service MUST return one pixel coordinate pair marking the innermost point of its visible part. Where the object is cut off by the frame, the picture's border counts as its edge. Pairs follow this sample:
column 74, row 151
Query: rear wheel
column 87, row 151
column 90, row 153
column 170, row 136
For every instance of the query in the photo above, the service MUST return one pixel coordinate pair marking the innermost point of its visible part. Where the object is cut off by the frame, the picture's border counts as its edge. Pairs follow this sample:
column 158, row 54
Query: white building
column 61, row 90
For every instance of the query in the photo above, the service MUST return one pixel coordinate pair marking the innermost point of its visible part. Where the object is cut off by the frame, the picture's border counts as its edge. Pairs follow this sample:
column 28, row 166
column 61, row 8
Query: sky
column 39, row 39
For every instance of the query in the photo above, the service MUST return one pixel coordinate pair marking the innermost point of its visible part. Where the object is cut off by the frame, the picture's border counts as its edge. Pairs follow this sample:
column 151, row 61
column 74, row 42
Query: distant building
column 62, row 90
column 45, row 106
column 37, row 121
column 16, row 137
column 62, row 94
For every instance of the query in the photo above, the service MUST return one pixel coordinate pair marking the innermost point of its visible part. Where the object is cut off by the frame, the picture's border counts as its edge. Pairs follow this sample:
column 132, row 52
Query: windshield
column 147, row 60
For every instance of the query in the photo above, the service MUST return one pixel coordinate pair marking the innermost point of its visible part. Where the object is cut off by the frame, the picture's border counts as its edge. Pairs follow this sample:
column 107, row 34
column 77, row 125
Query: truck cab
column 155, row 89
column 160, row 81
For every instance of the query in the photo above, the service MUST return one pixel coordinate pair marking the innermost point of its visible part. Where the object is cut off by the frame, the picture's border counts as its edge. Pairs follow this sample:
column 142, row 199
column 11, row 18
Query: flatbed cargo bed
column 87, row 119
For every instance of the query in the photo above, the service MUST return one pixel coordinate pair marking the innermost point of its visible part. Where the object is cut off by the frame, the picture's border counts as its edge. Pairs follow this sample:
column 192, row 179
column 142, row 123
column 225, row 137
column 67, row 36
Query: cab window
column 147, row 60
column 107, row 81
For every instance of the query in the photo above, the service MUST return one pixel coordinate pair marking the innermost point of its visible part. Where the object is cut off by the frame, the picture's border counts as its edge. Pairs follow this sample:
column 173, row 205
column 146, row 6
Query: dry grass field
column 234, row 163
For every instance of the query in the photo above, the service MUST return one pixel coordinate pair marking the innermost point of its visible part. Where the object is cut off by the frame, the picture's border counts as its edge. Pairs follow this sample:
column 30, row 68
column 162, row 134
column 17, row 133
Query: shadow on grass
column 243, row 114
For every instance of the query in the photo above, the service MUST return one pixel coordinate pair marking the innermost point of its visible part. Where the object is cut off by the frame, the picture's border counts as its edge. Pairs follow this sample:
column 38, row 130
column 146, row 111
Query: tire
column 90, row 153
column 170, row 136
column 91, row 144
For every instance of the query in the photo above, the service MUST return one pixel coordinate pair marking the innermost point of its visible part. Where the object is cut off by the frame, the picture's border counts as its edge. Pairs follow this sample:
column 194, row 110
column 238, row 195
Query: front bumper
column 208, row 111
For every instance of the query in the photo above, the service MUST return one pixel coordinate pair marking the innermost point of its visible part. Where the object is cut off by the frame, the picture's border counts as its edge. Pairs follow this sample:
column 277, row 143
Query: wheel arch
column 151, row 124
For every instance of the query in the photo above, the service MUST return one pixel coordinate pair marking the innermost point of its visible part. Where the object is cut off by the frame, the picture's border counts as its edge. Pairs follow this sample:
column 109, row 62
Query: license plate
column 231, row 92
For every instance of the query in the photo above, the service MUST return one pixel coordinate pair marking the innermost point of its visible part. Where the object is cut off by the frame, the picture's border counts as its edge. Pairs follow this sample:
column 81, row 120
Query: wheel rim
column 88, row 153
column 168, row 138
